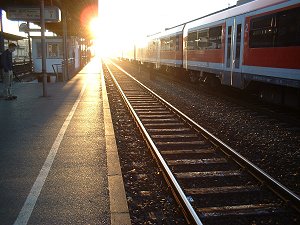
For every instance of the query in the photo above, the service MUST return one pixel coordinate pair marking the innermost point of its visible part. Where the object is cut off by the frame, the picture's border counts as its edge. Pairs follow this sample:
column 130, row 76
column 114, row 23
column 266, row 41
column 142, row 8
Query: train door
column 184, row 47
column 234, row 44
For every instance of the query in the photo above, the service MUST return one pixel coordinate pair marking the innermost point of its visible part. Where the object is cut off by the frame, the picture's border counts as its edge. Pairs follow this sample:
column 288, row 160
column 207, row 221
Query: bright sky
column 122, row 21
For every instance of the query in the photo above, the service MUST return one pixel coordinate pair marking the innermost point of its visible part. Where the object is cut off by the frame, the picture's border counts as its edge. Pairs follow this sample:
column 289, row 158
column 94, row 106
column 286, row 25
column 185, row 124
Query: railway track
column 212, row 183
column 288, row 116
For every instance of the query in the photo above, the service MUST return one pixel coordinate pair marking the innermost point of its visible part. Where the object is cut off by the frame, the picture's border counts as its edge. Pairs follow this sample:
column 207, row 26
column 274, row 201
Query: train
column 252, row 45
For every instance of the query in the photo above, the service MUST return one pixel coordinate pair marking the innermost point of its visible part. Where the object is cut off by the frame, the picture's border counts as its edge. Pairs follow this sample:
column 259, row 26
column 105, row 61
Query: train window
column 173, row 43
column 288, row 28
column 165, row 44
column 192, row 44
column 238, row 45
column 203, row 39
column 228, row 58
column 262, row 22
column 215, row 36
column 276, row 30
column 262, row 32
column 177, row 43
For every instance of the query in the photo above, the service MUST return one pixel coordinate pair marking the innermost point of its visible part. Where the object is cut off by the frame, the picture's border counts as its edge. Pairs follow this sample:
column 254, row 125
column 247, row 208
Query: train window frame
column 238, row 45
column 262, row 34
column 278, row 33
column 177, row 43
column 191, row 40
column 288, row 35
column 209, row 38
column 202, row 39
column 165, row 44
column 215, row 37
column 172, row 43
column 228, row 54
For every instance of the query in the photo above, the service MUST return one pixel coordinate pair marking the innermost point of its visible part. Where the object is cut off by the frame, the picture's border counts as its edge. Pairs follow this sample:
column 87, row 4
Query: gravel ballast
column 265, row 141
column 149, row 199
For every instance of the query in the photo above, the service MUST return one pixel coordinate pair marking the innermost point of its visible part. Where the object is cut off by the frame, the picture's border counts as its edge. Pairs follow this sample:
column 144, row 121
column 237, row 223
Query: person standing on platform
column 6, row 65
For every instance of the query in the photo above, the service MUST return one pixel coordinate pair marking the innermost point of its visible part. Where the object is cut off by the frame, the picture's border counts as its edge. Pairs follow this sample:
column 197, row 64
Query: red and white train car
column 171, row 47
column 163, row 49
column 256, row 41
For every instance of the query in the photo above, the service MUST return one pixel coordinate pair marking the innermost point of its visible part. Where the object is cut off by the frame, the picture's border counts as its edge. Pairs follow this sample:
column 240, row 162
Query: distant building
column 22, row 51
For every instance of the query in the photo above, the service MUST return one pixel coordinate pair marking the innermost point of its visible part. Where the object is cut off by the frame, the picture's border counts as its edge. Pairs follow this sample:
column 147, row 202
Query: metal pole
column 43, row 48
column 29, row 46
column 1, row 40
column 65, row 38
column 1, row 33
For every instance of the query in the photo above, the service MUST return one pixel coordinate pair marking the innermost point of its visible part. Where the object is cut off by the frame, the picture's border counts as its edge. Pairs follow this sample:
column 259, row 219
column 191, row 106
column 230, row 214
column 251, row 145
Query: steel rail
column 188, row 210
column 279, row 189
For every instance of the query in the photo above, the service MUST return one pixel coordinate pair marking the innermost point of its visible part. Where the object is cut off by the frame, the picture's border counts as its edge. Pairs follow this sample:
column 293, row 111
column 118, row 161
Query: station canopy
column 78, row 14
column 12, row 37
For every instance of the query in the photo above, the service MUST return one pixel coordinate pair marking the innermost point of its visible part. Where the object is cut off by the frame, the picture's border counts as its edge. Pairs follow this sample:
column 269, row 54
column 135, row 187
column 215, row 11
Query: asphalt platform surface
column 53, row 153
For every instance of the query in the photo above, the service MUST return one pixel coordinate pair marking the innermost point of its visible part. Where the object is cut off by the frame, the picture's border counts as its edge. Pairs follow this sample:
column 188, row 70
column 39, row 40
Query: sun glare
column 94, row 27
column 122, row 23
column 107, row 39
column 118, row 28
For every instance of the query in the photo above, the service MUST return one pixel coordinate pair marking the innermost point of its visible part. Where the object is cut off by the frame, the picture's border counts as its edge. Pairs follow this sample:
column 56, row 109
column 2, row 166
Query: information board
column 32, row 14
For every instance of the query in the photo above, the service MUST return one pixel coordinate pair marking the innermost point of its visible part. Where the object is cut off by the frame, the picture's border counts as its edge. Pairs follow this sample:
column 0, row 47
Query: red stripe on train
column 284, row 57
column 212, row 55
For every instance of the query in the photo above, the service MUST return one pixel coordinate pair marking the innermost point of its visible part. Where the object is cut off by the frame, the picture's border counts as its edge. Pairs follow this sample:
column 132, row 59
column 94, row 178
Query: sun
column 94, row 27
column 113, row 35
column 116, row 29
column 105, row 36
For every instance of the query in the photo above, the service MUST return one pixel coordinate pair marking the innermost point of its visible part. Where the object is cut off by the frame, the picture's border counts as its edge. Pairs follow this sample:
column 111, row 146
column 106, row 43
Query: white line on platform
column 30, row 202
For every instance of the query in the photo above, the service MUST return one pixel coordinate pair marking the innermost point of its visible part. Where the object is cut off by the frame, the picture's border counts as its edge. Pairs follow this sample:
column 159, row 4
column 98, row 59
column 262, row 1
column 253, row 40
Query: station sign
column 32, row 14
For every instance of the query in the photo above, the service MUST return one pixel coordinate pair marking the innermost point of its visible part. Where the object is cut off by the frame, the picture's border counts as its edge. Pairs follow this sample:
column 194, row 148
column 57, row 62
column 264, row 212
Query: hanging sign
column 32, row 14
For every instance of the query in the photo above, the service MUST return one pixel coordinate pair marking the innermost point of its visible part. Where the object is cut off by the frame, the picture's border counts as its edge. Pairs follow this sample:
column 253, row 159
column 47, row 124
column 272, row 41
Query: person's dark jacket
column 6, row 60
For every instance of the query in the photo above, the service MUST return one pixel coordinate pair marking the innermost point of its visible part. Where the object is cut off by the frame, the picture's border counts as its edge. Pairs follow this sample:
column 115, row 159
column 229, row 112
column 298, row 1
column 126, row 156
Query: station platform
column 58, row 156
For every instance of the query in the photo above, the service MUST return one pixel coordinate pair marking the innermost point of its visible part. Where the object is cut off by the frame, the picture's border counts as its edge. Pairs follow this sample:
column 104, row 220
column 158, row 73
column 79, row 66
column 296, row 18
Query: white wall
column 37, row 60
column 37, row 65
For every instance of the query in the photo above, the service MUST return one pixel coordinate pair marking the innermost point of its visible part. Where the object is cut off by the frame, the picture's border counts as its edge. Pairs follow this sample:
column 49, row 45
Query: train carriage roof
column 233, row 11
column 172, row 31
